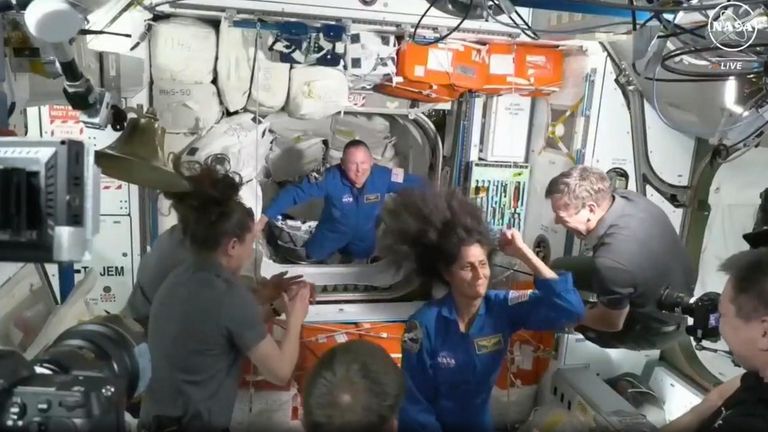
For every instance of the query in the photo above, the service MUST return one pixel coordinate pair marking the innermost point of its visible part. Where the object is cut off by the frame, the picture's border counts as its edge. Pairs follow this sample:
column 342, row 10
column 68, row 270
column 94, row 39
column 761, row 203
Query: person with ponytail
column 203, row 319
column 453, row 347
column 171, row 249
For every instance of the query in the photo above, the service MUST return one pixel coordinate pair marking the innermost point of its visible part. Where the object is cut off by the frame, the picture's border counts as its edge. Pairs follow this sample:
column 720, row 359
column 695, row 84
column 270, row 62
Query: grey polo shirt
column 169, row 251
column 636, row 253
column 203, row 322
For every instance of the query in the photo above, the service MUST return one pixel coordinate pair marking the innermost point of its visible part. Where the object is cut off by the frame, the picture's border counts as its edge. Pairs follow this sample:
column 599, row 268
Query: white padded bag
column 290, row 131
column 186, row 108
column 373, row 129
column 250, row 195
column 269, row 89
column 242, row 140
column 296, row 160
column 234, row 64
column 317, row 92
column 183, row 50
column 370, row 57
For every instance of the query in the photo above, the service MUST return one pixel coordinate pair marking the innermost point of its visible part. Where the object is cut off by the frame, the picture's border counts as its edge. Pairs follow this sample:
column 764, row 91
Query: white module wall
column 610, row 142
column 116, row 248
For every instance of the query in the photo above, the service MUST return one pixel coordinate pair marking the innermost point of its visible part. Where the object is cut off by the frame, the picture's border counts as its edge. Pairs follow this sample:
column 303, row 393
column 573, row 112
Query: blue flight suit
column 449, row 375
column 348, row 221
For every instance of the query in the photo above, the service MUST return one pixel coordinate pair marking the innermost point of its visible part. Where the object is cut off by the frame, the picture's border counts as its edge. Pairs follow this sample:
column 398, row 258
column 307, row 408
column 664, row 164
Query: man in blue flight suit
column 354, row 192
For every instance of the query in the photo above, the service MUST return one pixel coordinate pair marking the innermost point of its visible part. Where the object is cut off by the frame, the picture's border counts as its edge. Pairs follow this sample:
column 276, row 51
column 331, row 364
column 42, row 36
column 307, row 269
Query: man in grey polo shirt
column 636, row 254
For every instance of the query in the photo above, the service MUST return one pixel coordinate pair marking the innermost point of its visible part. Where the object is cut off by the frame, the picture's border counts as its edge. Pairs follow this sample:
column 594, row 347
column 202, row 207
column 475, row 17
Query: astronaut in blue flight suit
column 453, row 347
column 354, row 192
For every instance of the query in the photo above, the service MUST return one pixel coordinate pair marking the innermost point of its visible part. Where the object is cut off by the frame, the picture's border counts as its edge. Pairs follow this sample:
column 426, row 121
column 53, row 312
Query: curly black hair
column 428, row 227
column 211, row 213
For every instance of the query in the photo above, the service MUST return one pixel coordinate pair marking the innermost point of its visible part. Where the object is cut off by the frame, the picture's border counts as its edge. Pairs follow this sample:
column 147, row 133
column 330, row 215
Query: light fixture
column 730, row 96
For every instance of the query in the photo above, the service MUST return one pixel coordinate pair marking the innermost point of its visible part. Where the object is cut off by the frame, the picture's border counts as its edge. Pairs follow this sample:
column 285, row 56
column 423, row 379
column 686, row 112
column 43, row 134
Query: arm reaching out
column 293, row 195
column 512, row 244
column 692, row 420
column 275, row 362
column 554, row 303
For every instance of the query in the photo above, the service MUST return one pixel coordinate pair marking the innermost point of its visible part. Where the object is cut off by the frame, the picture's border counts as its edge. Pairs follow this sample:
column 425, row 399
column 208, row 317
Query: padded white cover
column 245, row 142
column 290, row 131
column 184, row 108
column 370, row 57
column 296, row 160
column 373, row 129
column 269, row 89
column 251, row 196
column 317, row 92
column 184, row 50
column 234, row 64
column 413, row 149
column 734, row 198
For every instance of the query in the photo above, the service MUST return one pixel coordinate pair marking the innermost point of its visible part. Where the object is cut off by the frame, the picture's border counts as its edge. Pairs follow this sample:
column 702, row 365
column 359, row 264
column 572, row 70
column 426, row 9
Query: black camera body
column 704, row 311
column 80, row 383
column 759, row 236
column 64, row 403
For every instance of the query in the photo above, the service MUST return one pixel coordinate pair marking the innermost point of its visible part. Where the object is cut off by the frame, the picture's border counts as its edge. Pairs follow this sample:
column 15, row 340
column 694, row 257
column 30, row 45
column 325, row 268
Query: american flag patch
column 516, row 297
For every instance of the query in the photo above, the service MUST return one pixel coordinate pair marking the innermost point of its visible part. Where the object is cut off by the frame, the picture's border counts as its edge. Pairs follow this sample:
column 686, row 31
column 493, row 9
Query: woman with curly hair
column 204, row 320
column 172, row 249
column 453, row 346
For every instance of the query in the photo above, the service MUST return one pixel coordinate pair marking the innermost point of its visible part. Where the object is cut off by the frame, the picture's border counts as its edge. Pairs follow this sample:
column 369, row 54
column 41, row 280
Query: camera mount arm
column 57, row 22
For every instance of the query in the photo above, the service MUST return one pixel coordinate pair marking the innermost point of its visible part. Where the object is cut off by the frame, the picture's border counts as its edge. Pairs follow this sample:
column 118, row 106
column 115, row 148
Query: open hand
column 272, row 289
column 280, row 283
column 297, row 287
column 297, row 307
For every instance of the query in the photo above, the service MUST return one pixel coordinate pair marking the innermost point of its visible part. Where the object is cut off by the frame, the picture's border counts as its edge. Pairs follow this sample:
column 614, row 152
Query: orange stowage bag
column 529, row 353
column 524, row 69
column 453, row 63
column 418, row 91
column 317, row 339
column 528, row 359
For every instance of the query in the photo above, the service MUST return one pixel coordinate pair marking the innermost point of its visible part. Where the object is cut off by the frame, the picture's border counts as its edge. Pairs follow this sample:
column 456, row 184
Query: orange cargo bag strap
column 418, row 91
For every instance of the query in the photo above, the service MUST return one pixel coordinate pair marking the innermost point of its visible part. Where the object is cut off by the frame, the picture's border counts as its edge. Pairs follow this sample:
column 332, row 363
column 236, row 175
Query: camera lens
column 108, row 346
column 672, row 302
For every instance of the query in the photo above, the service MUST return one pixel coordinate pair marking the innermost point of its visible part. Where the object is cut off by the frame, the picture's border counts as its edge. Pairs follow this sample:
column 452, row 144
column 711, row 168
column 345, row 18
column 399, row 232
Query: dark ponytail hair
column 210, row 213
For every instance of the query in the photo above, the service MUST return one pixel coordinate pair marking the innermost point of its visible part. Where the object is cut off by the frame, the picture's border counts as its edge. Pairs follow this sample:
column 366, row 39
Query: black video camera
column 81, row 383
column 759, row 236
column 703, row 310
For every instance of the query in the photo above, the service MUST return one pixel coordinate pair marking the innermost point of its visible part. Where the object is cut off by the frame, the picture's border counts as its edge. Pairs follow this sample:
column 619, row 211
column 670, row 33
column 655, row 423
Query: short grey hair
column 354, row 387
column 580, row 185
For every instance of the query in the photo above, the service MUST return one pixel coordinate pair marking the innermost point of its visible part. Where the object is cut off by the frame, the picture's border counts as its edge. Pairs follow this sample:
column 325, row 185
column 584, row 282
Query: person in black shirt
column 740, row 404
column 632, row 254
